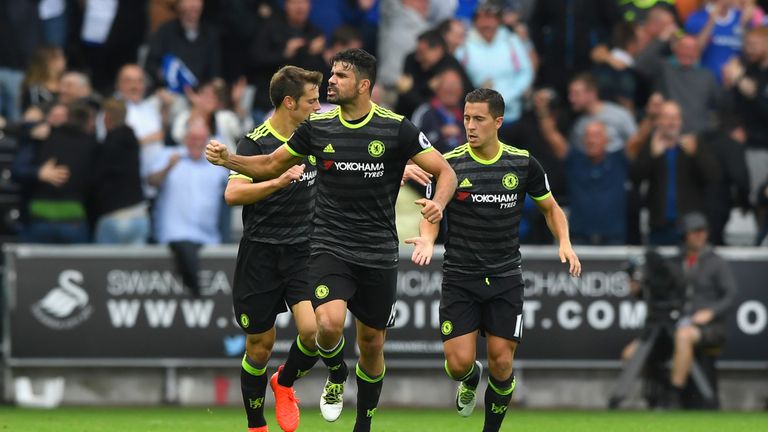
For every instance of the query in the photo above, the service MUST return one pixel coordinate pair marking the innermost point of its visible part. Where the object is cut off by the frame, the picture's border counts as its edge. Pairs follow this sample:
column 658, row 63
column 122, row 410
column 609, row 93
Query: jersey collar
column 362, row 123
column 482, row 161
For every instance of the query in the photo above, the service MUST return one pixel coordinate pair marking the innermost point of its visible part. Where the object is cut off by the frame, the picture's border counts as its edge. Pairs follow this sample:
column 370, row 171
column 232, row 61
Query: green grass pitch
column 169, row 419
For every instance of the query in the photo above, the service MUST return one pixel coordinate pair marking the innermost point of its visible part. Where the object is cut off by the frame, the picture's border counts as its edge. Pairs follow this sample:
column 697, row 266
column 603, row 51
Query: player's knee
column 259, row 353
column 685, row 335
column 459, row 363
column 500, row 364
column 328, row 325
column 307, row 339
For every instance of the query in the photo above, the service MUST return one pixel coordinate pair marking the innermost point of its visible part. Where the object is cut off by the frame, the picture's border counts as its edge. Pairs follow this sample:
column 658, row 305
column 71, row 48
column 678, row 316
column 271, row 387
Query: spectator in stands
column 718, row 28
column 206, row 103
column 328, row 15
column 285, row 39
column 189, row 200
column 109, row 34
column 418, row 82
column 401, row 21
column 41, row 82
column 678, row 170
column 615, row 69
column 748, row 82
column 123, row 217
column 454, row 34
column 496, row 58
column 442, row 118
column 145, row 115
column 74, row 86
column 239, row 24
column 20, row 32
column 710, row 293
column 54, row 20
column 597, row 178
column 584, row 98
column 193, row 42
column 57, row 212
column 732, row 189
column 565, row 33
column 681, row 79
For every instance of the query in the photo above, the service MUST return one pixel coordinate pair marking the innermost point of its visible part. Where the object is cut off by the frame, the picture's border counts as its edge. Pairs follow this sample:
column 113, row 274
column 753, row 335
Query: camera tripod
column 635, row 364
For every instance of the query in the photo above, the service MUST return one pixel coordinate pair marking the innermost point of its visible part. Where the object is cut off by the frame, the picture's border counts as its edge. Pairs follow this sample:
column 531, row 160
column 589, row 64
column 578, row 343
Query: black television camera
column 662, row 286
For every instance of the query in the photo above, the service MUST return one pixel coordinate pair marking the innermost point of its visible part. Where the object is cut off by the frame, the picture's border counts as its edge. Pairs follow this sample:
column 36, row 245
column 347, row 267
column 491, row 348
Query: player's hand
column 216, row 153
column 415, row 173
column 422, row 252
column 291, row 175
column 567, row 254
column 431, row 210
column 703, row 316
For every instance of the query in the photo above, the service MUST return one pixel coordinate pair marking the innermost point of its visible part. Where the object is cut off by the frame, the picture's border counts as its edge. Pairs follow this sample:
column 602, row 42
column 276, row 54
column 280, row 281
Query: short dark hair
column 79, row 115
column 116, row 110
column 491, row 97
column 363, row 63
column 433, row 39
column 290, row 81
column 587, row 79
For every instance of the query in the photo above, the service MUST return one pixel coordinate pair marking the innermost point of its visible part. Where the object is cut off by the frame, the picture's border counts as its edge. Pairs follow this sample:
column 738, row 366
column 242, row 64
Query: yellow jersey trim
column 292, row 151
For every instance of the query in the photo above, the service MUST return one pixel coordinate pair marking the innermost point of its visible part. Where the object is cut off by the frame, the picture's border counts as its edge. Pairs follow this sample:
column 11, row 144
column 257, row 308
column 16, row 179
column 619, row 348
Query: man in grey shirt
column 710, row 292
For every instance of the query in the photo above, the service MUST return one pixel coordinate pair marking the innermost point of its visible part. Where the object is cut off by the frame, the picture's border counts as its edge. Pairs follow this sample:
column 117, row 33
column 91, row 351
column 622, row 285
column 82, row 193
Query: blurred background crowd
column 640, row 111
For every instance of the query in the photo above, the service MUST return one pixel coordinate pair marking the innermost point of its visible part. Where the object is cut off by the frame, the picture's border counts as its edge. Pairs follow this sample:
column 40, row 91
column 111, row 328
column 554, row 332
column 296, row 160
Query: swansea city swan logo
column 66, row 305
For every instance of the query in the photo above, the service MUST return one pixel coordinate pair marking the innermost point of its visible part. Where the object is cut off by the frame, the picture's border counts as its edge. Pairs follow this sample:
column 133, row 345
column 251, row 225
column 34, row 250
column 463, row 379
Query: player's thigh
column 460, row 310
column 331, row 285
column 502, row 312
column 373, row 303
column 257, row 291
column 501, row 354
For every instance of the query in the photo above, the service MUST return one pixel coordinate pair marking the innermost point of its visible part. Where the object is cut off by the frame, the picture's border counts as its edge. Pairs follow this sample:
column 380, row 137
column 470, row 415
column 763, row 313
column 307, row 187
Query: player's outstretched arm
column 434, row 163
column 558, row 225
column 424, row 244
column 242, row 191
column 262, row 167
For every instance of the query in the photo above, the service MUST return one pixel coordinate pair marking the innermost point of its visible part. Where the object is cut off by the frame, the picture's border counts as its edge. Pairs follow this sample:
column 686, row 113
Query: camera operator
column 710, row 291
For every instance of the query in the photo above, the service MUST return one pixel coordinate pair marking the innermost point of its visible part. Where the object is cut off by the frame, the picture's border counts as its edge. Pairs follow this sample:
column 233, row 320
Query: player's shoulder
column 324, row 116
column 458, row 152
column 261, row 133
column 387, row 114
column 514, row 151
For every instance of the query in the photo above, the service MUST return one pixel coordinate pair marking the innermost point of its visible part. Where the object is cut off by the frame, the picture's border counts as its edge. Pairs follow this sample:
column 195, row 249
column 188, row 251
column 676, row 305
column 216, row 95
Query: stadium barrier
column 89, row 306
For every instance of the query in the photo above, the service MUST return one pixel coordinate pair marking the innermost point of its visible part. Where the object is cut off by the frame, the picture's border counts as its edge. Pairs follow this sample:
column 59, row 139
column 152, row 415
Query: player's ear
column 289, row 103
column 364, row 86
column 499, row 121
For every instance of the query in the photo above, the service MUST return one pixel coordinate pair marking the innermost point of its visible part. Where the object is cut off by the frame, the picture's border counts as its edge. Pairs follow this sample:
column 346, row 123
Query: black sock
column 253, row 384
column 300, row 361
column 471, row 379
column 368, row 392
column 334, row 359
column 497, row 398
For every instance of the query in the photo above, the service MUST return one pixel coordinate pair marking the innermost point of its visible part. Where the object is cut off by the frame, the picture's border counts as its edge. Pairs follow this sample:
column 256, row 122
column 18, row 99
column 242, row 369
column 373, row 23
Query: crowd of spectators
column 628, row 104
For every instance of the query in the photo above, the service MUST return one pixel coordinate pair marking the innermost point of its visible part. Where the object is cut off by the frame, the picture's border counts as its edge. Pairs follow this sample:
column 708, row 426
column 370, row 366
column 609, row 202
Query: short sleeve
column 537, row 184
column 161, row 160
column 412, row 140
column 246, row 147
column 300, row 142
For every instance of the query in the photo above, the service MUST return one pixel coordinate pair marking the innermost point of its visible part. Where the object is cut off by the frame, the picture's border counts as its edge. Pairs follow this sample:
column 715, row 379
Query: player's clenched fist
column 431, row 210
column 216, row 153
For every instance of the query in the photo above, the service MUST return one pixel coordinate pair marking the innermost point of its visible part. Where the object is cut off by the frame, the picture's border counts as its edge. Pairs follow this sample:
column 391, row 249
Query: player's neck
column 282, row 122
column 356, row 109
column 487, row 150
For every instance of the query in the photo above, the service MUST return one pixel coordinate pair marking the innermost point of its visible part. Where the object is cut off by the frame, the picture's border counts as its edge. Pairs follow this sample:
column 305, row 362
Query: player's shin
column 253, row 383
column 497, row 398
column 368, row 392
column 334, row 360
column 300, row 361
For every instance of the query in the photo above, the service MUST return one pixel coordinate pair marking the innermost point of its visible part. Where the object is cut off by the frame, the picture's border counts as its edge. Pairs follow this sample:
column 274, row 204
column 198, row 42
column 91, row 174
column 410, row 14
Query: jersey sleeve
column 300, row 142
column 538, row 184
column 412, row 140
column 246, row 147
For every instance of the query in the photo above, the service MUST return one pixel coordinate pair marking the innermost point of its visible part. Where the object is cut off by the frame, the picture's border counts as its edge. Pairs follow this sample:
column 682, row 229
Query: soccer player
column 361, row 151
column 271, row 269
column 482, row 288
